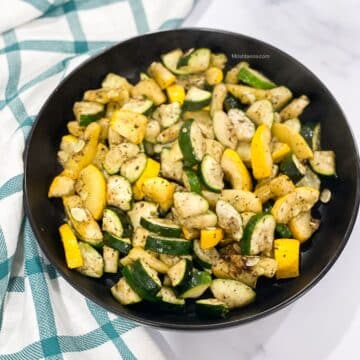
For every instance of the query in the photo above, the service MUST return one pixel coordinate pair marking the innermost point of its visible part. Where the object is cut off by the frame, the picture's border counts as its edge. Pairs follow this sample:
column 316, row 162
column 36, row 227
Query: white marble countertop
column 324, row 323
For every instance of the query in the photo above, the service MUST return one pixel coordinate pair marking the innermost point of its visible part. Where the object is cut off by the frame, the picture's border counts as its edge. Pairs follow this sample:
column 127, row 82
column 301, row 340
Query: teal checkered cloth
column 41, row 41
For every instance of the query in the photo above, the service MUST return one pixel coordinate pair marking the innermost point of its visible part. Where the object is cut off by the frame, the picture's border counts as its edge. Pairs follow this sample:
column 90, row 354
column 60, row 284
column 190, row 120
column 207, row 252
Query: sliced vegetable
column 71, row 247
column 195, row 61
column 323, row 163
column 180, row 273
column 196, row 286
column 203, row 120
column 211, row 174
column 140, row 106
column 191, row 181
column 296, row 142
column 211, row 308
column 170, row 134
column 231, row 102
column 210, row 237
column 292, row 167
column 287, row 255
column 121, row 244
column 293, row 124
column 119, row 192
column 303, row 226
column 295, row 108
column 169, row 301
column 201, row 221
column 242, row 200
column 161, row 75
column 61, row 186
column 93, row 263
column 254, row 78
column 279, row 96
column 111, row 259
column 137, row 253
column 141, row 209
column 280, row 151
column 246, row 94
column 116, row 222
column 150, row 89
column 133, row 168
column 86, row 112
column 189, row 204
column 124, row 294
column 160, row 191
column 229, row 220
column 176, row 93
column 261, row 160
column 214, row 75
column 243, row 126
column 164, row 227
column 310, row 179
column 168, row 245
column 235, row 171
column 261, row 112
column 292, row 204
column 258, row 235
column 283, row 231
column 205, row 257
column 152, row 169
column 217, row 99
column 233, row 293
column 170, row 168
column 115, row 81
column 311, row 132
column 224, row 130
column 196, row 99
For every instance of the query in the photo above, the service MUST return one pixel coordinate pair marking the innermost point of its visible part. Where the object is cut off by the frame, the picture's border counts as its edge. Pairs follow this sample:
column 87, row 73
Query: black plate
column 128, row 59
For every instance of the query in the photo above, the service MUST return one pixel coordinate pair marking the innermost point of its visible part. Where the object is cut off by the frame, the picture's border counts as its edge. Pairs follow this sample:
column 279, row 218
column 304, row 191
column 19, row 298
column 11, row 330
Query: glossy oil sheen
column 128, row 59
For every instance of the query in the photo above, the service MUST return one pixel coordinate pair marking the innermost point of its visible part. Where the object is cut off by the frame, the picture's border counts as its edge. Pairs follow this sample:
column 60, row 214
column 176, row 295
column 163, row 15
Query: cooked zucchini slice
column 196, row 99
column 254, row 78
column 258, row 235
column 119, row 192
column 196, row 286
column 211, row 174
column 194, row 61
column 231, row 102
column 243, row 126
column 217, row 99
column 293, row 168
column 140, row 106
column 189, row 204
column 224, row 130
column 283, row 231
column 117, row 155
column 169, row 301
column 191, row 181
column 141, row 209
column 310, row 179
column 142, row 279
column 180, row 273
column 93, row 263
column 111, row 259
column 211, row 308
column 261, row 112
column 123, row 245
column 311, row 132
column 295, row 108
column 116, row 222
column 205, row 257
column 323, row 163
column 233, row 293
column 170, row 168
column 191, row 143
column 242, row 200
column 164, row 227
column 293, row 124
column 133, row 168
column 168, row 114
column 87, row 112
column 170, row 134
column 168, row 245
column 201, row 221
column 303, row 226
column 149, row 89
column 203, row 120
column 229, row 220
column 124, row 294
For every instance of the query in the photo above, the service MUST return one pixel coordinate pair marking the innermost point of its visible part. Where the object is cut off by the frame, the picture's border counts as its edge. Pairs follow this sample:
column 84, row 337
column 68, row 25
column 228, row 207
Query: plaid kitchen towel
column 41, row 316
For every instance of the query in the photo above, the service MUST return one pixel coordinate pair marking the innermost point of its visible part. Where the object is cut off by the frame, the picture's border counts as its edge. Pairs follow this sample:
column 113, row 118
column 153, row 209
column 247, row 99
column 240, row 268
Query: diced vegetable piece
column 292, row 204
column 75, row 128
column 323, row 163
column 116, row 222
column 281, row 185
column 243, row 126
column 114, row 81
column 205, row 257
column 246, row 94
column 296, row 142
column 261, row 160
column 124, row 294
column 93, row 263
column 261, row 112
column 133, row 168
column 81, row 220
column 84, row 157
column 119, row 243
column 170, row 134
column 140, row 106
column 210, row 237
column 203, row 120
column 235, row 170
column 303, row 226
column 152, row 131
column 217, row 99
column 224, row 130
column 280, row 151
column 170, row 168
column 287, row 255
column 176, row 93
column 211, row 174
column 164, row 227
column 295, row 108
column 244, row 151
column 218, row 60
column 310, row 179
column 161, row 75
column 169, row 301
column 152, row 169
column 142, row 209
column 233, row 293
column 87, row 112
column 311, row 132
column 119, row 192
column 229, row 220
column 99, row 158
column 211, row 308
column 111, row 259
column 150, row 89
column 231, row 102
column 61, row 186
column 142, row 279
column 189, row 204
column 254, row 78
column 292, row 167
column 181, row 272
column 91, row 186
column 214, row 75
column 160, row 191
column 258, row 235
column 293, row 124
column 210, row 197
column 130, row 125
column 279, row 96
column 196, row 286
column 104, row 96
column 191, row 181
column 139, row 237
column 117, row 155
column 261, row 266
column 194, row 61
column 242, row 200
column 171, row 60
column 71, row 247
column 137, row 253
column 168, row 245
column 196, row 99
column 201, row 221
column 283, row 231
column 232, row 75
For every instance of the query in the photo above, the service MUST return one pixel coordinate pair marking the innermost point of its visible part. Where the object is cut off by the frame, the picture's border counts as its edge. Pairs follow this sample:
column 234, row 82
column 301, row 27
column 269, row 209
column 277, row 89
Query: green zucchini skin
column 283, row 231
column 140, row 281
column 161, row 229
column 193, row 181
column 125, row 221
column 211, row 309
column 289, row 167
column 121, row 244
column 184, row 276
column 196, row 286
column 310, row 131
column 231, row 102
column 167, row 245
column 254, row 79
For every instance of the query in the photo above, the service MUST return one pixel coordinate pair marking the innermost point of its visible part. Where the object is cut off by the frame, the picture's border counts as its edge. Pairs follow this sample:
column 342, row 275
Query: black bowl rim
column 224, row 323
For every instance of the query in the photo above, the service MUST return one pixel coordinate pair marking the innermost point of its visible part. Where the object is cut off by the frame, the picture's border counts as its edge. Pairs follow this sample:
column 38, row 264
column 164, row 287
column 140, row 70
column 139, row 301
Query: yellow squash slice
column 287, row 255
column 71, row 247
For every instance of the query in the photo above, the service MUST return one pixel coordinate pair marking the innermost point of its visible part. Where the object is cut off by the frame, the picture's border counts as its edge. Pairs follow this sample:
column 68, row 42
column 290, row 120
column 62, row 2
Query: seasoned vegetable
column 196, row 178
